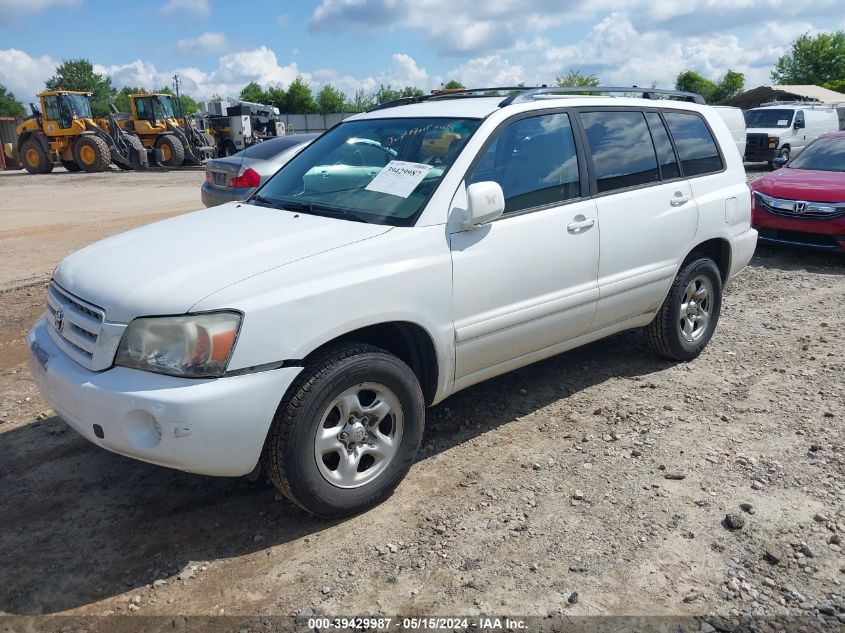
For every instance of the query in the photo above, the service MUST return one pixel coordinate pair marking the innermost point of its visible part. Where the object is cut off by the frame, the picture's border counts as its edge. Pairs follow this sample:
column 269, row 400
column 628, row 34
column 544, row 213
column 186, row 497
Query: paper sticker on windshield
column 399, row 178
column 783, row 121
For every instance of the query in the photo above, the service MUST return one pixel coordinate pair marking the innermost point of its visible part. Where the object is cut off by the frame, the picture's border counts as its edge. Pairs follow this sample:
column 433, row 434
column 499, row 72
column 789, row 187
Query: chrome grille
column 74, row 325
column 755, row 140
column 801, row 208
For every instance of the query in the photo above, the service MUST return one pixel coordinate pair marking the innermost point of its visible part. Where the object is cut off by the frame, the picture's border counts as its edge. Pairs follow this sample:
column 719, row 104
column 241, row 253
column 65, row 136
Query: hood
column 167, row 267
column 802, row 184
column 769, row 131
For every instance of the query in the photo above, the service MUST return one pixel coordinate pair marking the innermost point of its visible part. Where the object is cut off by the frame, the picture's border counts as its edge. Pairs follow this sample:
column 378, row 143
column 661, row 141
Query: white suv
column 407, row 253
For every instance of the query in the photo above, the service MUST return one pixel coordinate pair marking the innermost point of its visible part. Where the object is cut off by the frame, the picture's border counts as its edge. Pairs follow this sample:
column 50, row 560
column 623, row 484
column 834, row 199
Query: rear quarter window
column 622, row 149
column 696, row 146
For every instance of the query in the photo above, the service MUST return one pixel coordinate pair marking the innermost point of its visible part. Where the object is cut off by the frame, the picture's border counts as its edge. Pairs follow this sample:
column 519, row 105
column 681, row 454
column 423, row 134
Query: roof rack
column 465, row 93
column 521, row 94
column 648, row 93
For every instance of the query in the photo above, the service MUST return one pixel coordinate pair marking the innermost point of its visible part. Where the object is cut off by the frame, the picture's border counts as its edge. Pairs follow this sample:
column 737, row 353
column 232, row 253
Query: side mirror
column 779, row 161
column 798, row 125
column 485, row 203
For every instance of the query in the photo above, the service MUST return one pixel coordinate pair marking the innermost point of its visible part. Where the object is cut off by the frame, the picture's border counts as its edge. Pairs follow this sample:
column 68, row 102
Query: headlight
column 773, row 142
column 193, row 346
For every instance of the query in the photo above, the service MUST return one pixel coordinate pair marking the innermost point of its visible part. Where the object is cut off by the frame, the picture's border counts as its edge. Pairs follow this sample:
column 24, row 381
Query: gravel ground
column 602, row 481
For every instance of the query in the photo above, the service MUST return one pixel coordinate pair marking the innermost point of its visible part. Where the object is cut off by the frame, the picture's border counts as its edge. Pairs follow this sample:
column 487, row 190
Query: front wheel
column 347, row 432
column 689, row 314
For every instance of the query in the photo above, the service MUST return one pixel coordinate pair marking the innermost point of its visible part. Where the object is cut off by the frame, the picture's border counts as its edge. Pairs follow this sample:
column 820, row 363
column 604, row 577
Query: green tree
column 9, row 106
column 818, row 60
column 276, row 96
column 121, row 100
column 78, row 74
column 731, row 84
column 387, row 93
column 255, row 93
column 361, row 101
column 453, row 84
column 330, row 100
column 691, row 81
column 300, row 99
column 576, row 78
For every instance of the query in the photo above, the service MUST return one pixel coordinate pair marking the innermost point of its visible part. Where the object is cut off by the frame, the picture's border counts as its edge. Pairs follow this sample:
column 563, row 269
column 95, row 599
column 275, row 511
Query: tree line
column 812, row 59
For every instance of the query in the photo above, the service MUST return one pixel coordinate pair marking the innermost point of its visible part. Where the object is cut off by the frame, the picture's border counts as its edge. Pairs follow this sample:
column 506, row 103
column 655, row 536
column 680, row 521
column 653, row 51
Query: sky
column 218, row 46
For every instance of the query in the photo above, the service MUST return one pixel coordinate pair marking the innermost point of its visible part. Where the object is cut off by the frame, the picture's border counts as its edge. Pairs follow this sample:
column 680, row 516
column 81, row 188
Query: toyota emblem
column 59, row 320
column 800, row 207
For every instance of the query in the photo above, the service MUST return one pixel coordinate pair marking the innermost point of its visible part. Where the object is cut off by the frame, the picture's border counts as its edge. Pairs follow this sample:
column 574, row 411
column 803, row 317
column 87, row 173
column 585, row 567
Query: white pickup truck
column 306, row 329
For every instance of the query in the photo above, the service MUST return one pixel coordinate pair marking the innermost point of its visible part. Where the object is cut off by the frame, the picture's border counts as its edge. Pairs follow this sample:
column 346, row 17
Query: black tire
column 34, row 159
column 135, row 143
column 290, row 456
column 91, row 153
column 665, row 332
column 228, row 149
column 174, row 152
column 71, row 165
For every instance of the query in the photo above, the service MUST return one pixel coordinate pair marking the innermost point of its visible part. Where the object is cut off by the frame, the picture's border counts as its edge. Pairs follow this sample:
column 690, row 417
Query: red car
column 803, row 202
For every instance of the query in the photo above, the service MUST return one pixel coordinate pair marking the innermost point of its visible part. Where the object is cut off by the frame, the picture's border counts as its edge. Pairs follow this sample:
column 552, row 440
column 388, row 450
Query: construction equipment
column 67, row 130
column 241, row 124
column 154, row 120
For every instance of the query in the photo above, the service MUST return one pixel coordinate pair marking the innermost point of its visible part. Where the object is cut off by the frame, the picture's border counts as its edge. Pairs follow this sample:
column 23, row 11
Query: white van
column 735, row 120
column 785, row 129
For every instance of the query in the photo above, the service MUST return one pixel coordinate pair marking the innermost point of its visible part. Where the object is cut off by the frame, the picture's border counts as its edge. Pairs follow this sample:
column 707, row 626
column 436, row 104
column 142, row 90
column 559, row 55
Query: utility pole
column 176, row 83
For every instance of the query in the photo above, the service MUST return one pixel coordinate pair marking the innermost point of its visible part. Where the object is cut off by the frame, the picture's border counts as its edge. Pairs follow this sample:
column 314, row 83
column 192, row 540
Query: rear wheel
column 228, row 149
column 91, row 153
column 71, row 165
column 34, row 158
column 173, row 154
column 686, row 321
column 347, row 432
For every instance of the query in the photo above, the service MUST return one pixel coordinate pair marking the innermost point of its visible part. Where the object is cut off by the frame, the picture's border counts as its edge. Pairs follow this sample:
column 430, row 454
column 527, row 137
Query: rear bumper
column 211, row 196
column 210, row 427
column 742, row 250
column 828, row 235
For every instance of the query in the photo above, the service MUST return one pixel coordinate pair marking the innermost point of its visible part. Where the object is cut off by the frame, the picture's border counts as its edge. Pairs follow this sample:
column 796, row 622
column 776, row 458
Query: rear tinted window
column 696, row 146
column 273, row 147
column 623, row 154
column 665, row 154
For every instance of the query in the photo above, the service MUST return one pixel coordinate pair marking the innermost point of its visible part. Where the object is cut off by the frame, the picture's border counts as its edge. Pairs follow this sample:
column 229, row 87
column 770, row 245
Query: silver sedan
column 236, row 177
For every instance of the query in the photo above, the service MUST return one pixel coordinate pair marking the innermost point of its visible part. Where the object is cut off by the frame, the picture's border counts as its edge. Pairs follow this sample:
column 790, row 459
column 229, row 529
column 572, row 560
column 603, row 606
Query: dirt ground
column 596, row 482
column 43, row 218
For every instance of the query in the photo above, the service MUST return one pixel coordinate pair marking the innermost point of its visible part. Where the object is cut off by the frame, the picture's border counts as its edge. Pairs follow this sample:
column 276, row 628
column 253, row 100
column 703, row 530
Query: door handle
column 580, row 223
column 679, row 199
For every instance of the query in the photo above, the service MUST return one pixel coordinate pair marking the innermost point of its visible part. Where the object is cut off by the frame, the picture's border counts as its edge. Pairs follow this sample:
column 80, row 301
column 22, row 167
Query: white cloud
column 24, row 75
column 205, row 43
column 13, row 9
column 233, row 72
column 488, row 71
column 198, row 7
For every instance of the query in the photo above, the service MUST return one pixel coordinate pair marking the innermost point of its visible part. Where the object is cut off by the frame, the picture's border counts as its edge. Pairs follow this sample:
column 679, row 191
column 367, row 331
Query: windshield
column 376, row 170
column 826, row 154
column 769, row 118
column 79, row 105
column 163, row 108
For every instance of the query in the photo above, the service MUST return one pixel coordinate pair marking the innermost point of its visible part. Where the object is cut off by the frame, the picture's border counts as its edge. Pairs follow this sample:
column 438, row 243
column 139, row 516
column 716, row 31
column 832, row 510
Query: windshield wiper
column 318, row 209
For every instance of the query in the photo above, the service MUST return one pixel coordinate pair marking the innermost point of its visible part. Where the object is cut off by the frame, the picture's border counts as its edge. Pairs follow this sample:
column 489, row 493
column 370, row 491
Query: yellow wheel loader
column 65, row 128
column 173, row 139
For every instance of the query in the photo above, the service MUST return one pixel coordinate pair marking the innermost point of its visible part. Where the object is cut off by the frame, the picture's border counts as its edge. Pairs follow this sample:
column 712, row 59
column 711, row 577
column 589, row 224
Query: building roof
column 754, row 97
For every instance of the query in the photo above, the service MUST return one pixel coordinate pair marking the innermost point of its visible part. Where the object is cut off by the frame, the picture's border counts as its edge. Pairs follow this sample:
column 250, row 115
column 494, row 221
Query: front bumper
column 814, row 233
column 762, row 155
column 204, row 426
